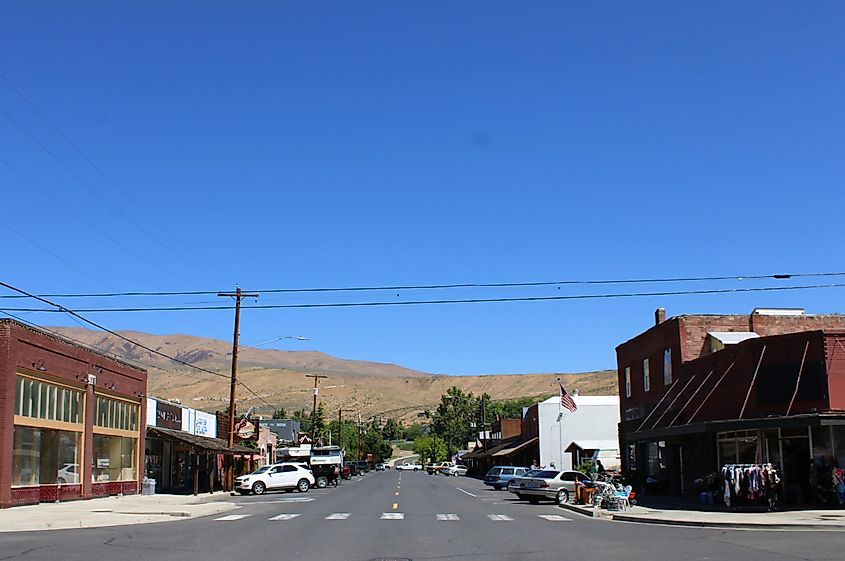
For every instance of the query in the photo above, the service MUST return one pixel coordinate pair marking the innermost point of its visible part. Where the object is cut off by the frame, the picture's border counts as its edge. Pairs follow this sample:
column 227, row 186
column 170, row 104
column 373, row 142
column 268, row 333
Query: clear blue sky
column 300, row 144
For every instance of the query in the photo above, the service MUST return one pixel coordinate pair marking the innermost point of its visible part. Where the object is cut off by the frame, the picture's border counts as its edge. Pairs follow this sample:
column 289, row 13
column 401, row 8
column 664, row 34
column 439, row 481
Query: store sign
column 168, row 416
column 633, row 413
column 245, row 428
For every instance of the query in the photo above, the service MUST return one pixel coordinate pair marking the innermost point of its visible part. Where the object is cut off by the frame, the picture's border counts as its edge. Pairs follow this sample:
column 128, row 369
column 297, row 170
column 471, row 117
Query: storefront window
column 738, row 447
column 116, row 414
column 114, row 458
column 44, row 456
column 41, row 400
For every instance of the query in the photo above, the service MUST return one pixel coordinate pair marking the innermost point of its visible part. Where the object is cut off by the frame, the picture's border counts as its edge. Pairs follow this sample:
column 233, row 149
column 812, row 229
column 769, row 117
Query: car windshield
column 547, row 474
column 262, row 469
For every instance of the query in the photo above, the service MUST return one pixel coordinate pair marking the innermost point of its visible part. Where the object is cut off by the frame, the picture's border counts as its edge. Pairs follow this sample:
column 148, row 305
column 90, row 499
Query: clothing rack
column 747, row 484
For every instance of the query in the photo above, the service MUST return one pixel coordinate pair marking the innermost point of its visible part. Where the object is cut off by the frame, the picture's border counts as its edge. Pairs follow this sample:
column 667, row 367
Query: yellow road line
column 395, row 506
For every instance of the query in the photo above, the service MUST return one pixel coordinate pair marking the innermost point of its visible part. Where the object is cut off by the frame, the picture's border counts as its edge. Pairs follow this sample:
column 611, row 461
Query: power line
column 102, row 174
column 77, row 316
column 656, row 280
column 450, row 301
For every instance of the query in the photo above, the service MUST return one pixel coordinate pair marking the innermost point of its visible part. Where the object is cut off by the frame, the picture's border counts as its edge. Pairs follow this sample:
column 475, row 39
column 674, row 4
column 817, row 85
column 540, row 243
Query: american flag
column 566, row 399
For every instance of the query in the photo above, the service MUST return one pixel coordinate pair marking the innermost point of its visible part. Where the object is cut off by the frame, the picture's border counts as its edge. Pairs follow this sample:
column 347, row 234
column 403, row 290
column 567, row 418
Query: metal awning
column 196, row 442
column 515, row 447
column 592, row 445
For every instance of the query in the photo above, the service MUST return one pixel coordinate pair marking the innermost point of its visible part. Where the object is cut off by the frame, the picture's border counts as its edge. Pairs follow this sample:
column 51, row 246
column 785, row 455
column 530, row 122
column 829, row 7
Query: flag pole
column 560, row 423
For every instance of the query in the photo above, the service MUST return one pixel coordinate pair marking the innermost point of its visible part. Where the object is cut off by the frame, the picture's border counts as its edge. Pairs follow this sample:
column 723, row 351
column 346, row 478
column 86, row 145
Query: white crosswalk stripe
column 392, row 516
column 338, row 516
column 499, row 517
column 555, row 517
column 285, row 516
column 445, row 517
column 231, row 517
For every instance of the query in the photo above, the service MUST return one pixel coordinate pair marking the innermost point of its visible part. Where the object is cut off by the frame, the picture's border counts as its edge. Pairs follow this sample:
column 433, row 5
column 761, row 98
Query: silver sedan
column 550, row 484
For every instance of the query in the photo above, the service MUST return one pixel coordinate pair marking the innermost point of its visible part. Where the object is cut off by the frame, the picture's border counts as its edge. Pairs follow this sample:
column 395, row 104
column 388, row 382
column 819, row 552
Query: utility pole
column 238, row 296
column 340, row 425
column 314, row 411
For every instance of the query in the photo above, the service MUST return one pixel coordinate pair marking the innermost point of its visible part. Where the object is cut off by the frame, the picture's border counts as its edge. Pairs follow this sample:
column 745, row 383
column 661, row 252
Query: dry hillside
column 279, row 377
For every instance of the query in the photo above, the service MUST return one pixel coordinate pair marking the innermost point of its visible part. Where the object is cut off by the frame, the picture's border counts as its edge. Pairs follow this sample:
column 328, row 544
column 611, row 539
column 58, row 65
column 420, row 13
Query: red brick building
column 72, row 420
column 702, row 391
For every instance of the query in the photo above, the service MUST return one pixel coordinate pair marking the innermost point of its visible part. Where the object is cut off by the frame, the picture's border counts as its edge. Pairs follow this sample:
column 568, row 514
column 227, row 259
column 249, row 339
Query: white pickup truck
column 407, row 466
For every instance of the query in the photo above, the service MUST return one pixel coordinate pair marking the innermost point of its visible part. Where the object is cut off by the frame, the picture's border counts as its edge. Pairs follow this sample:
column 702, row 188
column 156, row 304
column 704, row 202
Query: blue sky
column 281, row 144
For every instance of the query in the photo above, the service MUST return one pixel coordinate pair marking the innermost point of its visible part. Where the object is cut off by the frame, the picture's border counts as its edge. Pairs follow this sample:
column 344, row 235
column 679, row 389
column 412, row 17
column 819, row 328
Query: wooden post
column 211, row 463
column 196, row 474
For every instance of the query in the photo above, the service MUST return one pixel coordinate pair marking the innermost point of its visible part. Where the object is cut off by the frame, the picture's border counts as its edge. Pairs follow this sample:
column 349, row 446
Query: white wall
column 193, row 421
column 597, row 418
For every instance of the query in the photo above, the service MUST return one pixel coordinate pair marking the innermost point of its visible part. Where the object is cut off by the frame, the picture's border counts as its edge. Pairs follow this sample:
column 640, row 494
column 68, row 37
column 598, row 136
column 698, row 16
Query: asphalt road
column 411, row 515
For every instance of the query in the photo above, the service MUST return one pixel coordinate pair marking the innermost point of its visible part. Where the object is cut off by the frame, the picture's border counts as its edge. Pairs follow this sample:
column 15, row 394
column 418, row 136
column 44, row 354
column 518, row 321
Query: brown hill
column 278, row 377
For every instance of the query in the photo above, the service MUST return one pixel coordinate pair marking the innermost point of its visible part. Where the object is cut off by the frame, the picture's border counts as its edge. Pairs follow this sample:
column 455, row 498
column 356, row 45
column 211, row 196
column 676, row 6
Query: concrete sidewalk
column 777, row 520
column 112, row 511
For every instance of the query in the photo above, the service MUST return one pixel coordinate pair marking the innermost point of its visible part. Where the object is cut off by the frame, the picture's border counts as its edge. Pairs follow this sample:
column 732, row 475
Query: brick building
column 71, row 419
column 702, row 391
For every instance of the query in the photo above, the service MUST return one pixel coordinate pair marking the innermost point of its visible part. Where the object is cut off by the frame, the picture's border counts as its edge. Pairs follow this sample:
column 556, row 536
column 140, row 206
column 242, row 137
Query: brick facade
column 40, row 355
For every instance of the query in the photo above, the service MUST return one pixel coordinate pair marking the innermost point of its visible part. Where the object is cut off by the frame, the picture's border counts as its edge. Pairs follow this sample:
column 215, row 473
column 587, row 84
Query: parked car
column 363, row 466
column 548, row 484
column 346, row 472
column 353, row 467
column 436, row 467
column 516, row 480
column 275, row 476
column 499, row 476
column 379, row 467
column 455, row 470
column 408, row 466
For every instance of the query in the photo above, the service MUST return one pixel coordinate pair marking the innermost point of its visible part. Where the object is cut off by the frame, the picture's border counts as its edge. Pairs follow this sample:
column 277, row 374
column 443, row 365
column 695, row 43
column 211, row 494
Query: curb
column 640, row 519
column 708, row 524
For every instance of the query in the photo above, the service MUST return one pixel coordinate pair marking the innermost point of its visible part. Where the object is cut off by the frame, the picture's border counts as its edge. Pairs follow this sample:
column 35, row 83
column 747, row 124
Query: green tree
column 391, row 430
column 414, row 431
column 431, row 449
column 280, row 413
column 319, row 421
column 455, row 419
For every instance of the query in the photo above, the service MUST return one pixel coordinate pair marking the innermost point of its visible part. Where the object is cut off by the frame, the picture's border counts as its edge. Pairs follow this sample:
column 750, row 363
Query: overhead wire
column 528, row 284
column 108, row 179
column 445, row 301
column 78, row 316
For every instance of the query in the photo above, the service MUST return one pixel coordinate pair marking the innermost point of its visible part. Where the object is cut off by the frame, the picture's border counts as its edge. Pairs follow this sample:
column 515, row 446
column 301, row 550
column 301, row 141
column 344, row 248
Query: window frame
column 646, row 375
column 667, row 367
column 627, row 372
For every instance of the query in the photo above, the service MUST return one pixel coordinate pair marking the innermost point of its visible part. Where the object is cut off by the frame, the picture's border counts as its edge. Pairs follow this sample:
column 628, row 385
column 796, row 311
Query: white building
column 591, row 431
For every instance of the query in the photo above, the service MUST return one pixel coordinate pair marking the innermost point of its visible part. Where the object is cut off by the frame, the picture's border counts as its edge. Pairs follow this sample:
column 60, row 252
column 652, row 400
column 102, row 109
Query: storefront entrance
column 796, row 465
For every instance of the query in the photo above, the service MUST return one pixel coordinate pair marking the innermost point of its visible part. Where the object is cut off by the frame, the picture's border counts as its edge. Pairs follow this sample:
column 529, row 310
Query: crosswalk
column 441, row 517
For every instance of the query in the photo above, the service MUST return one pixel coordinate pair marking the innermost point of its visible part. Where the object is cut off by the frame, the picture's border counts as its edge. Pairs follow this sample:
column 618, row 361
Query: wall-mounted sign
column 168, row 416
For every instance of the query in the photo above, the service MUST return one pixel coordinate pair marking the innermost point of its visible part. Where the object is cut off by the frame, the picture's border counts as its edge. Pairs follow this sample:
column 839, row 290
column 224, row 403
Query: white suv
column 275, row 476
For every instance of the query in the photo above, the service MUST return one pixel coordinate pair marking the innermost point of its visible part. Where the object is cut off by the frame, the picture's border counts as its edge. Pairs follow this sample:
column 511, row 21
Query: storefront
column 69, row 419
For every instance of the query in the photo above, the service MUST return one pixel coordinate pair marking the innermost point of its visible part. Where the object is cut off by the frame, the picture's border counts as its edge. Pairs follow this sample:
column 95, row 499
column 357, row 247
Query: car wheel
column 562, row 497
column 322, row 482
column 303, row 485
column 258, row 488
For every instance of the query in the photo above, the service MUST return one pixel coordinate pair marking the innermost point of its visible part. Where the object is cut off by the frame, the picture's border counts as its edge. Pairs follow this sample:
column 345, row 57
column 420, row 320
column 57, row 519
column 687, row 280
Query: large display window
column 114, row 458
column 44, row 456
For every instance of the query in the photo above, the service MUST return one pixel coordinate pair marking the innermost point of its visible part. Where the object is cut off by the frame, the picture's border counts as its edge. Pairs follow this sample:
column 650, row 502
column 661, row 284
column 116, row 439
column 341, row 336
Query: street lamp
column 295, row 337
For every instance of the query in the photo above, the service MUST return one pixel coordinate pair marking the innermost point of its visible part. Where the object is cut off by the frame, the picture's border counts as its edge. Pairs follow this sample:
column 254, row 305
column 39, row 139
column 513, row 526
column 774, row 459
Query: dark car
column 363, row 466
column 352, row 466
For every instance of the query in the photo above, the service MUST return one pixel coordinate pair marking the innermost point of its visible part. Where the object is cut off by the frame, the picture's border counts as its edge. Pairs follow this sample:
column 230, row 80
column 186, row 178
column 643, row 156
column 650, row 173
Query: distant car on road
column 407, row 466
column 549, row 484
column 455, row 470
column 275, row 476
column 379, row 467
column 436, row 467
column 498, row 477
column 363, row 466
column 353, row 467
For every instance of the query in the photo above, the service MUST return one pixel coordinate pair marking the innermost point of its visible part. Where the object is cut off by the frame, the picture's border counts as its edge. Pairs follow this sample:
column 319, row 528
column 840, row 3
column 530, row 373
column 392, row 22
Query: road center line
column 395, row 506
column 466, row 492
